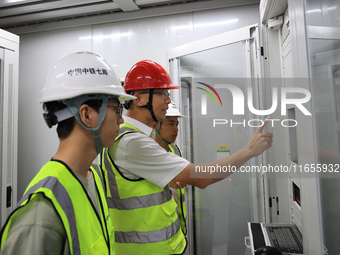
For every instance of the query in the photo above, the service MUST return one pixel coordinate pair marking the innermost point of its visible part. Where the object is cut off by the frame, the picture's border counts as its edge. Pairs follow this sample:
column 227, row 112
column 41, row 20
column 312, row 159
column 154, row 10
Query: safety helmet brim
column 169, row 86
column 122, row 97
column 173, row 111
column 175, row 115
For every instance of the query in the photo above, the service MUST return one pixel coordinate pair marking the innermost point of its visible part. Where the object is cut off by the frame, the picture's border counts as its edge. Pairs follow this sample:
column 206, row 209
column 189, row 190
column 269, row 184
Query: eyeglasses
column 162, row 93
column 117, row 108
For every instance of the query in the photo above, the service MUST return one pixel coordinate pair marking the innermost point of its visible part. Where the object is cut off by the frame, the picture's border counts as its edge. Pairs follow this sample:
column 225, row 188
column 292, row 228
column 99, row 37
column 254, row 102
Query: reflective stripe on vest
column 175, row 150
column 63, row 199
column 154, row 236
column 125, row 129
column 180, row 194
column 97, row 168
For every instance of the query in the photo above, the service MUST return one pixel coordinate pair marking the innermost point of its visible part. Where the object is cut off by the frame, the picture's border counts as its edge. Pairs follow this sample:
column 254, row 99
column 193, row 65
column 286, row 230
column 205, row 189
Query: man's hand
column 177, row 185
column 260, row 141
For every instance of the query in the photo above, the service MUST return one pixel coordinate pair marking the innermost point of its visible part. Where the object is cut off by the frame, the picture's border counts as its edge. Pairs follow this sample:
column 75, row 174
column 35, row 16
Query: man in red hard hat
column 138, row 170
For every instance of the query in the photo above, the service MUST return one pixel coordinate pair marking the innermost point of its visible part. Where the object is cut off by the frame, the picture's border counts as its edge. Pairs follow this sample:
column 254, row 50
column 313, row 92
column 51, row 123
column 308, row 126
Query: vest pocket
column 169, row 208
column 99, row 246
column 176, row 240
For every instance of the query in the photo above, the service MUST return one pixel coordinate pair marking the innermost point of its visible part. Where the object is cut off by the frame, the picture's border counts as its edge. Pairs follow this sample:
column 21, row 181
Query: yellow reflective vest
column 180, row 194
column 87, row 231
column 143, row 214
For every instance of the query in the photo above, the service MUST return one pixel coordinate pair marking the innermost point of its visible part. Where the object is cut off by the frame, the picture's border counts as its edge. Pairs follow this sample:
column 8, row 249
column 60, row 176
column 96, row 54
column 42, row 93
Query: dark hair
column 127, row 104
column 64, row 127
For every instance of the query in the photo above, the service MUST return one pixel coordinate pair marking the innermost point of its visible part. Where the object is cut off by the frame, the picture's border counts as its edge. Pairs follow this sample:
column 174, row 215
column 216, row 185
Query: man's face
column 110, row 126
column 160, row 102
column 169, row 129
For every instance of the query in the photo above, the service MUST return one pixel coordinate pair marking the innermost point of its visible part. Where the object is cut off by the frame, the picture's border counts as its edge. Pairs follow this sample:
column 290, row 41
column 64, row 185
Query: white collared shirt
column 138, row 155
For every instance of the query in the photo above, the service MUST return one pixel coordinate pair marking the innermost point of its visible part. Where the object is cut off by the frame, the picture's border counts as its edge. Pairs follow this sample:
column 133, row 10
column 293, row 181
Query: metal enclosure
column 303, row 51
column 298, row 47
column 9, row 62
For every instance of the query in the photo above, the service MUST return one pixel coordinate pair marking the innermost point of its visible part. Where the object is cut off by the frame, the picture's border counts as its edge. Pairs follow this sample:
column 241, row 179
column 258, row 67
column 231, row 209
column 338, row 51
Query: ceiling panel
column 18, row 14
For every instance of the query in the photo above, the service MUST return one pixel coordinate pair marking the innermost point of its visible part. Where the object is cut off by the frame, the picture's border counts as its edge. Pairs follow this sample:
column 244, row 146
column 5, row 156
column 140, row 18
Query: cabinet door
column 8, row 131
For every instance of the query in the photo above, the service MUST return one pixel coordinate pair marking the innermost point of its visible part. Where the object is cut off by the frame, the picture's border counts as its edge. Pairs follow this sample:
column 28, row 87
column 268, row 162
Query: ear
column 154, row 125
column 86, row 115
column 140, row 100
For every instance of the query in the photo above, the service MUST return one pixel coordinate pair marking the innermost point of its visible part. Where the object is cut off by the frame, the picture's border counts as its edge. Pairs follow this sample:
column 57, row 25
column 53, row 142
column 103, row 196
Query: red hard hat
column 147, row 74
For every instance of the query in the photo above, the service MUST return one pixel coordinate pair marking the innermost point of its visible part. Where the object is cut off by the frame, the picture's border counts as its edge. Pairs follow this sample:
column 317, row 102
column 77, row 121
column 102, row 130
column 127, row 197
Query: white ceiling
column 23, row 14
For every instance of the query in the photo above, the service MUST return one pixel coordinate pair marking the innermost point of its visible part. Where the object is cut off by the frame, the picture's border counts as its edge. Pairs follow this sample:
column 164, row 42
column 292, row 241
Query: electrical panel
column 9, row 62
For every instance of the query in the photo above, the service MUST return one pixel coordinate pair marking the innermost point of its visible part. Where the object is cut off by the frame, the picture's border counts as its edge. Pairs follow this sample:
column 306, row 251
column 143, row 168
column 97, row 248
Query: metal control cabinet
column 9, row 65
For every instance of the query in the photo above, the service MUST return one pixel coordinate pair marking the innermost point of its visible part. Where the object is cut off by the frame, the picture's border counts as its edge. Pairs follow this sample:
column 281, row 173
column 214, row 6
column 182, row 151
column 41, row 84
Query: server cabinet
column 9, row 62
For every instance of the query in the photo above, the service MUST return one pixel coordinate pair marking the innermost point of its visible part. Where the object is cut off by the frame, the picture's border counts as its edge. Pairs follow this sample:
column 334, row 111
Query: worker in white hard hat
column 166, row 134
column 64, row 209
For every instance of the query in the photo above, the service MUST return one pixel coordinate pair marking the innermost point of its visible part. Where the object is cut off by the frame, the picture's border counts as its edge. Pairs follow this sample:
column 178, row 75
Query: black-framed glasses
column 117, row 108
column 164, row 94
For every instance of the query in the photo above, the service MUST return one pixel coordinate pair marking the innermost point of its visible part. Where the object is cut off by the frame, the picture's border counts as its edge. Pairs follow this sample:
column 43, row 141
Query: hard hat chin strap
column 159, row 134
column 149, row 106
column 96, row 134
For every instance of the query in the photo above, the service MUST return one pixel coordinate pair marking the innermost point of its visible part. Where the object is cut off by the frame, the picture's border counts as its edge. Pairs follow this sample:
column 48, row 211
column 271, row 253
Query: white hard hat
column 173, row 111
column 81, row 73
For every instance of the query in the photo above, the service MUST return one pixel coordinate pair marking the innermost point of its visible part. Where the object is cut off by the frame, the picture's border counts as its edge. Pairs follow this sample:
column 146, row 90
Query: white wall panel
column 210, row 23
column 125, row 43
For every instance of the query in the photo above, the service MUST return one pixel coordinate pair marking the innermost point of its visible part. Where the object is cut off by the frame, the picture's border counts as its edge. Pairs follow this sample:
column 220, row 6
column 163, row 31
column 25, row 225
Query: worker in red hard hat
column 149, row 78
column 139, row 170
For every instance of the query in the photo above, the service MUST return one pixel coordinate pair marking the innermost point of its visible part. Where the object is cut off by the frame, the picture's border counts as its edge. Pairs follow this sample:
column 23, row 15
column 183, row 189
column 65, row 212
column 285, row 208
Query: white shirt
column 138, row 155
